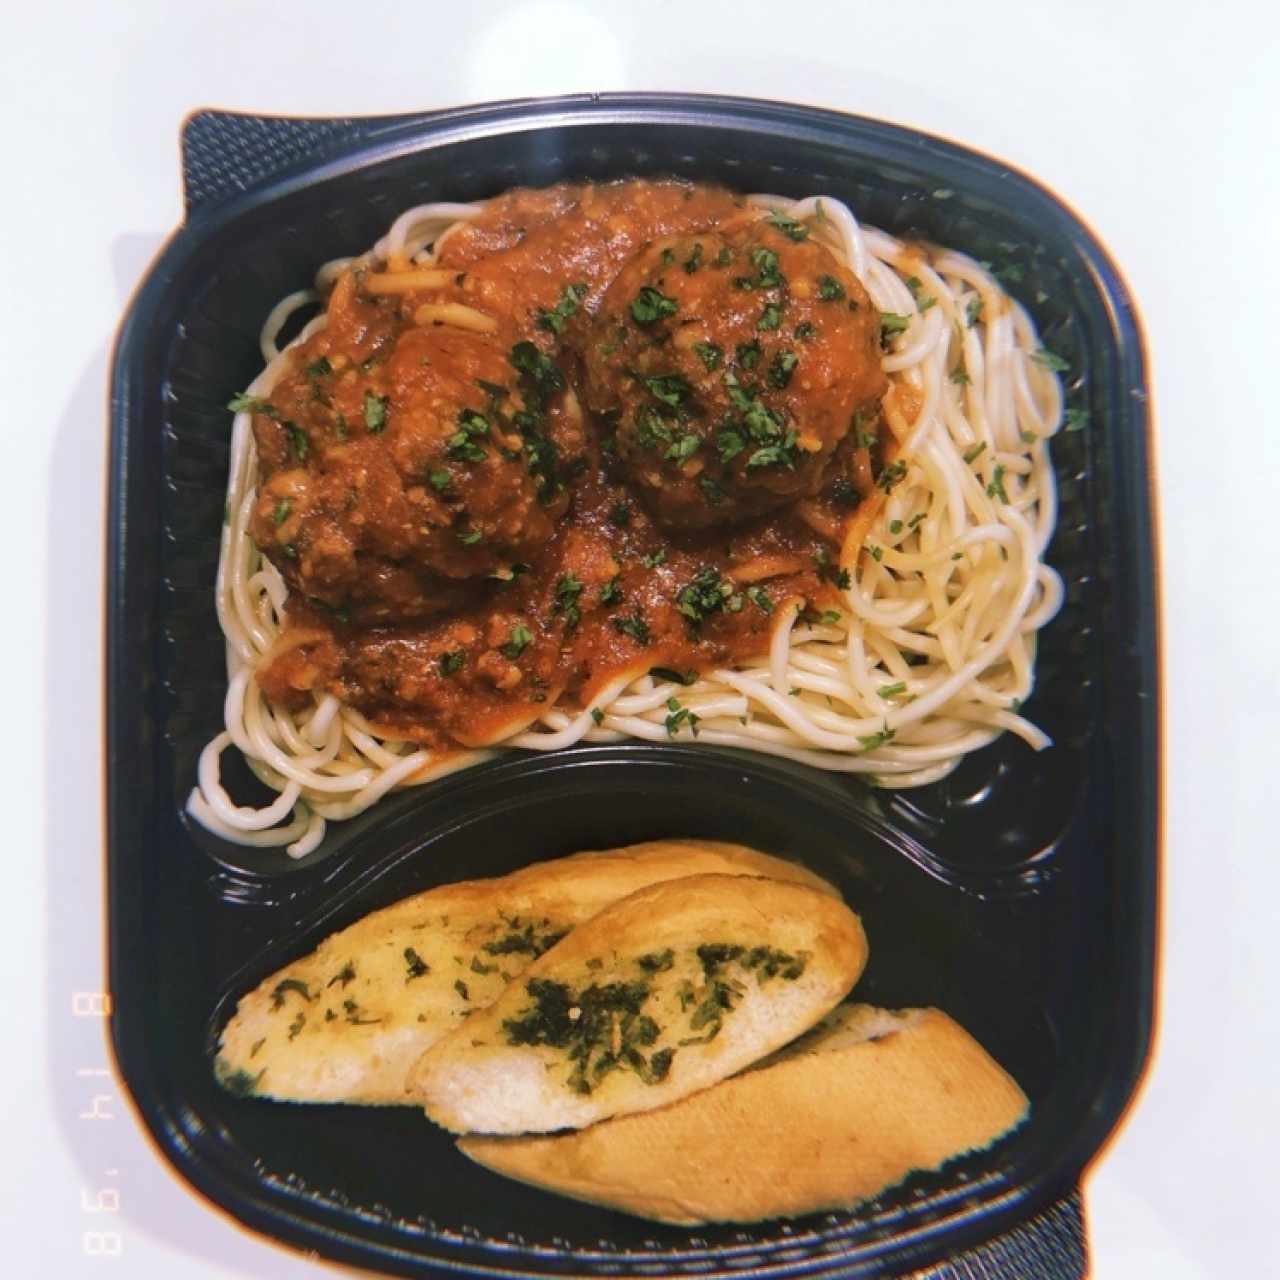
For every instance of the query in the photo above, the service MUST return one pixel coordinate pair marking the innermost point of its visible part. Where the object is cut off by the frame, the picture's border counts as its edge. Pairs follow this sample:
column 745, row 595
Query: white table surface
column 1158, row 122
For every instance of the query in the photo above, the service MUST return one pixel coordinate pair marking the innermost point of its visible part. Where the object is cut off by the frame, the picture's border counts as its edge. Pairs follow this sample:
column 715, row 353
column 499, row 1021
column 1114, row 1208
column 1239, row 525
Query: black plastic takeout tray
column 1019, row 894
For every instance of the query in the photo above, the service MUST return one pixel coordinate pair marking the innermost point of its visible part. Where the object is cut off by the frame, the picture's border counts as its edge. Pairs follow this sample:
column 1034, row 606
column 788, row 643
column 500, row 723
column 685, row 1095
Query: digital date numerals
column 97, row 1239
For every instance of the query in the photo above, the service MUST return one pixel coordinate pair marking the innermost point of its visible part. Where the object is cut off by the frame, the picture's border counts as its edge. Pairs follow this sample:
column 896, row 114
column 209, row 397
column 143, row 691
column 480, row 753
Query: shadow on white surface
column 122, row 1199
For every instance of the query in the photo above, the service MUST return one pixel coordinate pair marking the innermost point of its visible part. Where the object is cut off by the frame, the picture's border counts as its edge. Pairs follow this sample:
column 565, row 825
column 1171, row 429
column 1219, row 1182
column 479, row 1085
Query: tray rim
column 387, row 138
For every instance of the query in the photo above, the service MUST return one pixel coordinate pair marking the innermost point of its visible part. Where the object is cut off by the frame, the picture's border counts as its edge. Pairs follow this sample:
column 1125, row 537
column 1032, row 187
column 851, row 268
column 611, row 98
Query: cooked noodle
column 931, row 660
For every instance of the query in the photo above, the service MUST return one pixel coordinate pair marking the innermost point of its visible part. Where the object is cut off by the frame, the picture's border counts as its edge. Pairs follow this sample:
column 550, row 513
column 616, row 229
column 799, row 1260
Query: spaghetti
column 942, row 581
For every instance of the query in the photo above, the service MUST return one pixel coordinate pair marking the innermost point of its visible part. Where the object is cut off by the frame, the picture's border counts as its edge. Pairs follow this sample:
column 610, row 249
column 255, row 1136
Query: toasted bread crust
column 353, row 1016
column 826, row 1124
column 787, row 955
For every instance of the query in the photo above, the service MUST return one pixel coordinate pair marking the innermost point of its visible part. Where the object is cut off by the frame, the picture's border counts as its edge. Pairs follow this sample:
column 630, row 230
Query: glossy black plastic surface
column 1018, row 894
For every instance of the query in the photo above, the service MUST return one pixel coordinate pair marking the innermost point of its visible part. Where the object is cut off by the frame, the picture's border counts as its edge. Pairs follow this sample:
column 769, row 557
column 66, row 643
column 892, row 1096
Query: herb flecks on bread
column 658, row 996
column 346, row 1022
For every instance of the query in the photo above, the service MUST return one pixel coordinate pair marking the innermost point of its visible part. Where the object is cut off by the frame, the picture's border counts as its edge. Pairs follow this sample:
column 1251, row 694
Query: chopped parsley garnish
column 863, row 439
column 651, row 431
column 781, row 368
column 729, row 444
column 634, row 626
column 670, row 388
column 923, row 300
column 567, row 591
column 769, row 962
column 895, row 526
column 711, row 491
column 597, row 715
column 971, row 454
column 711, row 355
column 243, row 403
column 283, row 987
column 540, row 369
column 683, row 446
column 1076, row 419
column 353, row 1013
column 375, row 412
column 290, row 550
column 996, row 488
column 676, row 677
column 891, row 475
column 415, row 964
column 871, row 741
column 973, row 312
column 915, row 519
column 451, row 660
column 600, row 1028
column 318, row 368
column 713, row 955
column 555, row 320
column 892, row 690
column 619, row 515
column 767, row 274
column 760, row 598
column 804, row 331
column 694, row 260
column 830, row 572
column 469, row 537
column 344, row 975
column 876, row 553
column 611, row 593
column 723, row 258
column 706, row 594
column 775, row 455
column 1051, row 360
column 439, row 480
column 654, row 558
column 758, row 424
column 959, row 376
column 892, row 324
column 298, row 441
column 830, row 289
column 517, row 642
column 770, row 316
column 651, row 305
column 789, row 227
column 748, row 354
column 281, row 512
column 524, row 939
column 461, row 445
column 461, row 988
column 679, row 715
column 657, row 961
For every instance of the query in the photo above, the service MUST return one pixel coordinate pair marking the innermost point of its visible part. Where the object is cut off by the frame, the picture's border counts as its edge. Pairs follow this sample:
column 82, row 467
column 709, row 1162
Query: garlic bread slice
column 660, row 995
column 850, row 1109
column 346, row 1022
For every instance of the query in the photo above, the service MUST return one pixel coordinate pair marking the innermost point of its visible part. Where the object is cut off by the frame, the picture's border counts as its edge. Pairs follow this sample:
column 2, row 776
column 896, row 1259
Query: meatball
column 732, row 366
column 391, row 487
